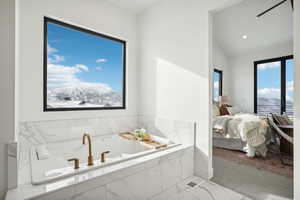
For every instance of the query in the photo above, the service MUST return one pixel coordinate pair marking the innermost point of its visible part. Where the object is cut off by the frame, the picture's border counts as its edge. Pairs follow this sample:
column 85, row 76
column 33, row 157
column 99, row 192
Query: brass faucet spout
column 90, row 157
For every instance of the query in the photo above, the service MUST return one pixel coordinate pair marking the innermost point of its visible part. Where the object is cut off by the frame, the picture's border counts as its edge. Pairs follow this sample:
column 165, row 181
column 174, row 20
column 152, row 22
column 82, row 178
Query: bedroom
column 252, row 87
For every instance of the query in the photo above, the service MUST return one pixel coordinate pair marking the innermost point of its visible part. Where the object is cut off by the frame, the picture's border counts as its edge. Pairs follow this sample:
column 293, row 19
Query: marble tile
column 170, row 194
column 63, row 194
column 87, row 184
column 218, row 192
column 95, row 194
column 178, row 131
column 138, row 186
column 153, row 181
column 119, row 190
column 187, row 163
column 171, row 173
column 203, row 190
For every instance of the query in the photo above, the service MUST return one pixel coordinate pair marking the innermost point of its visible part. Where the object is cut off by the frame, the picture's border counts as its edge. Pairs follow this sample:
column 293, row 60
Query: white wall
column 7, row 36
column 174, row 67
column 297, row 100
column 220, row 62
column 96, row 15
column 241, row 72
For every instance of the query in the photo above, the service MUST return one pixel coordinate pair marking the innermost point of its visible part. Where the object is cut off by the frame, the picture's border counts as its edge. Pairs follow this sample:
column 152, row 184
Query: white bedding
column 249, row 128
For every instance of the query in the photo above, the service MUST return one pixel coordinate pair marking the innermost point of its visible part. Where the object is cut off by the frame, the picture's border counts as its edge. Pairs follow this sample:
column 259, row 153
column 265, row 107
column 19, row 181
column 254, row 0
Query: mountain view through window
column 275, row 87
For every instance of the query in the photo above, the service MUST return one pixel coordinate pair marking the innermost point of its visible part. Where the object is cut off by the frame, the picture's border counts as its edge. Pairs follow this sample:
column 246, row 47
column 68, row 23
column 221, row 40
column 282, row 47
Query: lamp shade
column 223, row 100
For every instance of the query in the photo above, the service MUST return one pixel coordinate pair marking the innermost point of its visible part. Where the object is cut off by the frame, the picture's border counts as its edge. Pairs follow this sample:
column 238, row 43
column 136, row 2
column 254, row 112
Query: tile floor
column 198, row 189
column 255, row 183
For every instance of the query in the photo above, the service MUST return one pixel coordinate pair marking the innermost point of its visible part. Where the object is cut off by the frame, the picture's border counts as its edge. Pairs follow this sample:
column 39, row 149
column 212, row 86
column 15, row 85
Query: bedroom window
column 218, row 82
column 274, row 86
column 83, row 69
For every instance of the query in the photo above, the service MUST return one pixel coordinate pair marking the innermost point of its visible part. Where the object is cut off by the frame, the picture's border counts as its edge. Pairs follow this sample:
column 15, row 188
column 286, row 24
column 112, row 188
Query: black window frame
column 282, row 61
column 45, row 65
column 220, row 72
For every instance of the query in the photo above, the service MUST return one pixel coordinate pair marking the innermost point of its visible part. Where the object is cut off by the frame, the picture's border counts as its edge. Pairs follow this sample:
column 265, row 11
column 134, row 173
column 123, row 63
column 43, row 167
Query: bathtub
column 56, row 166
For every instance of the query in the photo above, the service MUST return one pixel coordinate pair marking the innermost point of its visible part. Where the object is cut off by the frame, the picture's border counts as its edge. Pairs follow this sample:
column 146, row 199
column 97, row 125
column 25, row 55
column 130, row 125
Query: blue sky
column 97, row 59
column 216, row 86
column 268, row 78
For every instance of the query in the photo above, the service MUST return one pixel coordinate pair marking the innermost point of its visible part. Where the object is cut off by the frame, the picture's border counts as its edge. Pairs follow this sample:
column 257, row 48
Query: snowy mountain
column 95, row 95
column 271, row 101
column 273, row 105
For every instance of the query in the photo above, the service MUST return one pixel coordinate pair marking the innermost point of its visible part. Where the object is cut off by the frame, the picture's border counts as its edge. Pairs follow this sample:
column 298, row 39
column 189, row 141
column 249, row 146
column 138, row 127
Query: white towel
column 160, row 139
column 42, row 152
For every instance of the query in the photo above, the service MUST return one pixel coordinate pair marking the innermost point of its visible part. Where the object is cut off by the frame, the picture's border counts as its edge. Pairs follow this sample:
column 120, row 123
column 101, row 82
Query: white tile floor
column 202, row 190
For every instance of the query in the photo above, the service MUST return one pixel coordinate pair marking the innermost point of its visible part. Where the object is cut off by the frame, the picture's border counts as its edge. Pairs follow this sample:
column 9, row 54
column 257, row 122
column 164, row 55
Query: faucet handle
column 76, row 162
column 103, row 156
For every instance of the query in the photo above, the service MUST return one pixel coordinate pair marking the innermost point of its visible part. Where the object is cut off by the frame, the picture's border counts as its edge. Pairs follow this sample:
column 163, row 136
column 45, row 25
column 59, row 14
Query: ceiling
column 135, row 6
column 232, row 23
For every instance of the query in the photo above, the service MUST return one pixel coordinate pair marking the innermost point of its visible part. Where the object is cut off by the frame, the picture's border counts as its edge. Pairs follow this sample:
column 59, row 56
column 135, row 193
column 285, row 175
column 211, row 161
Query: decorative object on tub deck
column 103, row 156
column 148, row 140
column 90, row 157
column 142, row 135
column 76, row 162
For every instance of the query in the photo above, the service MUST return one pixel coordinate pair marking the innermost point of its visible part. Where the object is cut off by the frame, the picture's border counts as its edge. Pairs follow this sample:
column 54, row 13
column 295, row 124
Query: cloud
column 60, row 77
column 55, row 59
column 101, row 60
column 290, row 86
column 50, row 49
column 82, row 67
column 269, row 93
column 99, row 68
column 275, row 93
column 272, row 65
column 216, row 84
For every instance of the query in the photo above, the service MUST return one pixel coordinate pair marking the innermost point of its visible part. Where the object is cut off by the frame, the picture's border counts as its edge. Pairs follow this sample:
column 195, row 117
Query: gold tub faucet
column 103, row 156
column 76, row 162
column 90, row 158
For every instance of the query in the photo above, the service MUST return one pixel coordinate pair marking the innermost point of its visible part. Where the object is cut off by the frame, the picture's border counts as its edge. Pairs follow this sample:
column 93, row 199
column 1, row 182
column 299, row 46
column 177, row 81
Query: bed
column 241, row 131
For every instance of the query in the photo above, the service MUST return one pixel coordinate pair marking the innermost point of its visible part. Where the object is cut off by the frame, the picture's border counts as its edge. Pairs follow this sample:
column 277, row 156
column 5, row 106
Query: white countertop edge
column 28, row 191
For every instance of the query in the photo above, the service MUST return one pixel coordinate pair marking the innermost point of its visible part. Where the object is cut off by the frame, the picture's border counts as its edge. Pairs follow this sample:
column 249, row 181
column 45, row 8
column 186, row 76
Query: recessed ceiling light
column 245, row 36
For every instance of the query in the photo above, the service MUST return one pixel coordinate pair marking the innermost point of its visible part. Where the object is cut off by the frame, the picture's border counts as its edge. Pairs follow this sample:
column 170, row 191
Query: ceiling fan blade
column 268, row 10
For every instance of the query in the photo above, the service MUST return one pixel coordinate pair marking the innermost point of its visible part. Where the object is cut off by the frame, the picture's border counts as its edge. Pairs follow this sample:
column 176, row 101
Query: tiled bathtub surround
column 157, row 172
column 138, row 179
column 59, row 132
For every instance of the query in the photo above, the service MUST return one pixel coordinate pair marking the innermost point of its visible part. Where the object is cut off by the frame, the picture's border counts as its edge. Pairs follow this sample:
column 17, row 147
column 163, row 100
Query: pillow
column 233, row 110
column 224, row 110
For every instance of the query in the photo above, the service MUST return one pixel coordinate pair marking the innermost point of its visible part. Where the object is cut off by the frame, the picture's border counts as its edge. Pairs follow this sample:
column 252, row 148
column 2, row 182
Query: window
column 274, row 86
column 83, row 70
column 218, row 82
